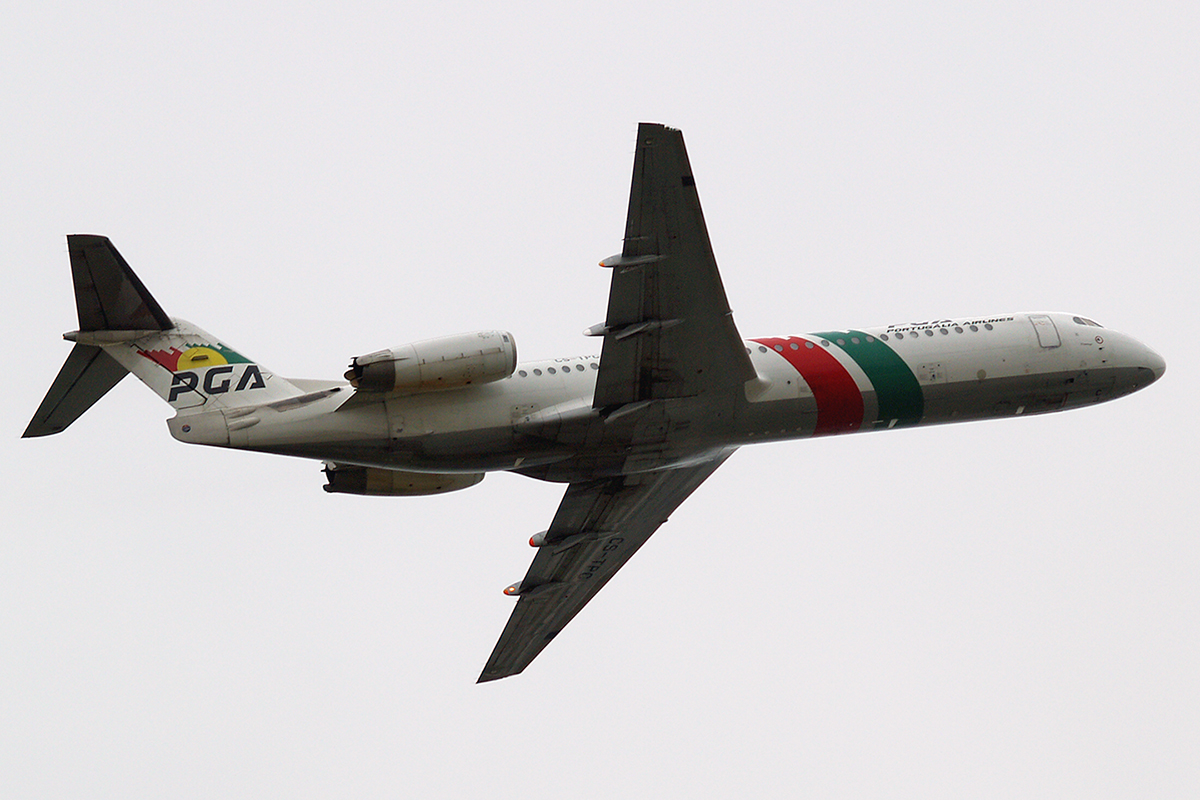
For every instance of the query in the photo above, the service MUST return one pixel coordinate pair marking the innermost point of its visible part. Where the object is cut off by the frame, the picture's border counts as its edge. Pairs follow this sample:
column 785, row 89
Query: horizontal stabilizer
column 87, row 376
column 108, row 295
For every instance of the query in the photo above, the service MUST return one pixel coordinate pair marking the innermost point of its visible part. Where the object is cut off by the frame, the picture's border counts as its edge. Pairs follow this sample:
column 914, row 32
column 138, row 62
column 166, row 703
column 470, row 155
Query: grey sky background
column 986, row 610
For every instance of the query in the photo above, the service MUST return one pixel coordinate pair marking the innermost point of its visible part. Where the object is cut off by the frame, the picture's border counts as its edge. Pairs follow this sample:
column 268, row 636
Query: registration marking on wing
column 611, row 545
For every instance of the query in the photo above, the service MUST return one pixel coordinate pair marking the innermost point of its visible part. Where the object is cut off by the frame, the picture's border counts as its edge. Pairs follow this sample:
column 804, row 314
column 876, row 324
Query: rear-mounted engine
column 448, row 362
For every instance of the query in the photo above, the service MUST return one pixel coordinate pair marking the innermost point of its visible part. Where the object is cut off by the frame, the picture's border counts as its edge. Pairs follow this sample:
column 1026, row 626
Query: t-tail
column 123, row 329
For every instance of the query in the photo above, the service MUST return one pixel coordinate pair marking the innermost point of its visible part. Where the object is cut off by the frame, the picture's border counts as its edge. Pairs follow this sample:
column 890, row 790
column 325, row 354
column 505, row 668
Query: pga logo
column 217, row 380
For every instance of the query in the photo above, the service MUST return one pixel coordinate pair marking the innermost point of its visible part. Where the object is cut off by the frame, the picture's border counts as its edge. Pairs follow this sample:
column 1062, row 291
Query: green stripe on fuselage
column 896, row 388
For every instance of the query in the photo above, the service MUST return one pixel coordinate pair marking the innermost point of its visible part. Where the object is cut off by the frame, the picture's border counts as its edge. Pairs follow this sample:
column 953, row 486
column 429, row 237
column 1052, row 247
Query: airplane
column 675, row 391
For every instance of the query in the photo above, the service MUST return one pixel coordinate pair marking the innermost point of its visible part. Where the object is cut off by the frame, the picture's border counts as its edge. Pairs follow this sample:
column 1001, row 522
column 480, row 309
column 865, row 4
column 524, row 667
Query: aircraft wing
column 669, row 331
column 599, row 526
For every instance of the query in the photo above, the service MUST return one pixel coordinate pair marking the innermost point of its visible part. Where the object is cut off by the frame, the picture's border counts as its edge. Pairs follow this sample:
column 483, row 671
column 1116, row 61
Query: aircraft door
column 1046, row 332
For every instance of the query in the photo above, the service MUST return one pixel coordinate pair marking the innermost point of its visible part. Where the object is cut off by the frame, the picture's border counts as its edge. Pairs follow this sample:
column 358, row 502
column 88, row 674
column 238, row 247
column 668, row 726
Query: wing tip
column 35, row 429
column 487, row 676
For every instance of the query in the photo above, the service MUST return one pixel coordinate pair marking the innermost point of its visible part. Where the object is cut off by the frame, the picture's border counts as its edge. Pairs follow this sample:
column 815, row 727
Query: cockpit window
column 1086, row 321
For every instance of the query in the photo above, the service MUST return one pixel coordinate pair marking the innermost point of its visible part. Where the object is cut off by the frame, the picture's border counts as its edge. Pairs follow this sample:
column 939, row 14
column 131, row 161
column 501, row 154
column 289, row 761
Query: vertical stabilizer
column 108, row 296
column 123, row 329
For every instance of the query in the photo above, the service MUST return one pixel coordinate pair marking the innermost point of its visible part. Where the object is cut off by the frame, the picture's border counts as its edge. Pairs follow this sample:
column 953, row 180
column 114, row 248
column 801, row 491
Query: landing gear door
column 1046, row 332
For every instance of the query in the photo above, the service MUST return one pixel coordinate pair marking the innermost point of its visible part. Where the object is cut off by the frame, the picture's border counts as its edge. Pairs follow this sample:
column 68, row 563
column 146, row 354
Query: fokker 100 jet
column 674, row 392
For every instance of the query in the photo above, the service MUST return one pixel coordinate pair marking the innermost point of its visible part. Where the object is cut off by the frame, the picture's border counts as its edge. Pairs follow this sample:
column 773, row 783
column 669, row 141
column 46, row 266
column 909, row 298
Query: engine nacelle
column 443, row 363
column 372, row 480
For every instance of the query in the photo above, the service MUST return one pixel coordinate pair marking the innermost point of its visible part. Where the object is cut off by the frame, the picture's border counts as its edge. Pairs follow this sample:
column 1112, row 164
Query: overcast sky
column 995, row 609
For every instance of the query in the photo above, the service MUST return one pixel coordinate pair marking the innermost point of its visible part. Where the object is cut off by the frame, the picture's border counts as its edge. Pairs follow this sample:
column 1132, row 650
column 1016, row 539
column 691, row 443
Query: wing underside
column 598, row 527
column 669, row 331
column 669, row 340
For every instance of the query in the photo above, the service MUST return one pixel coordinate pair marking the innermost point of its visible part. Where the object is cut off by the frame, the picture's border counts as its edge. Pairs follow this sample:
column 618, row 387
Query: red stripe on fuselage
column 839, row 402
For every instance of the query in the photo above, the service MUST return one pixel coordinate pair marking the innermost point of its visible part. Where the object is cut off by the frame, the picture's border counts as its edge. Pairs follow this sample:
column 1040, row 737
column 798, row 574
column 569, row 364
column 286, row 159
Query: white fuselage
column 540, row 421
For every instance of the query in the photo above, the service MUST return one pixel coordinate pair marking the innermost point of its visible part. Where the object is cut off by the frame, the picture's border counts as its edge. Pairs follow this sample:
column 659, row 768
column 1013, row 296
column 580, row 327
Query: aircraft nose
column 1155, row 363
column 1150, row 365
